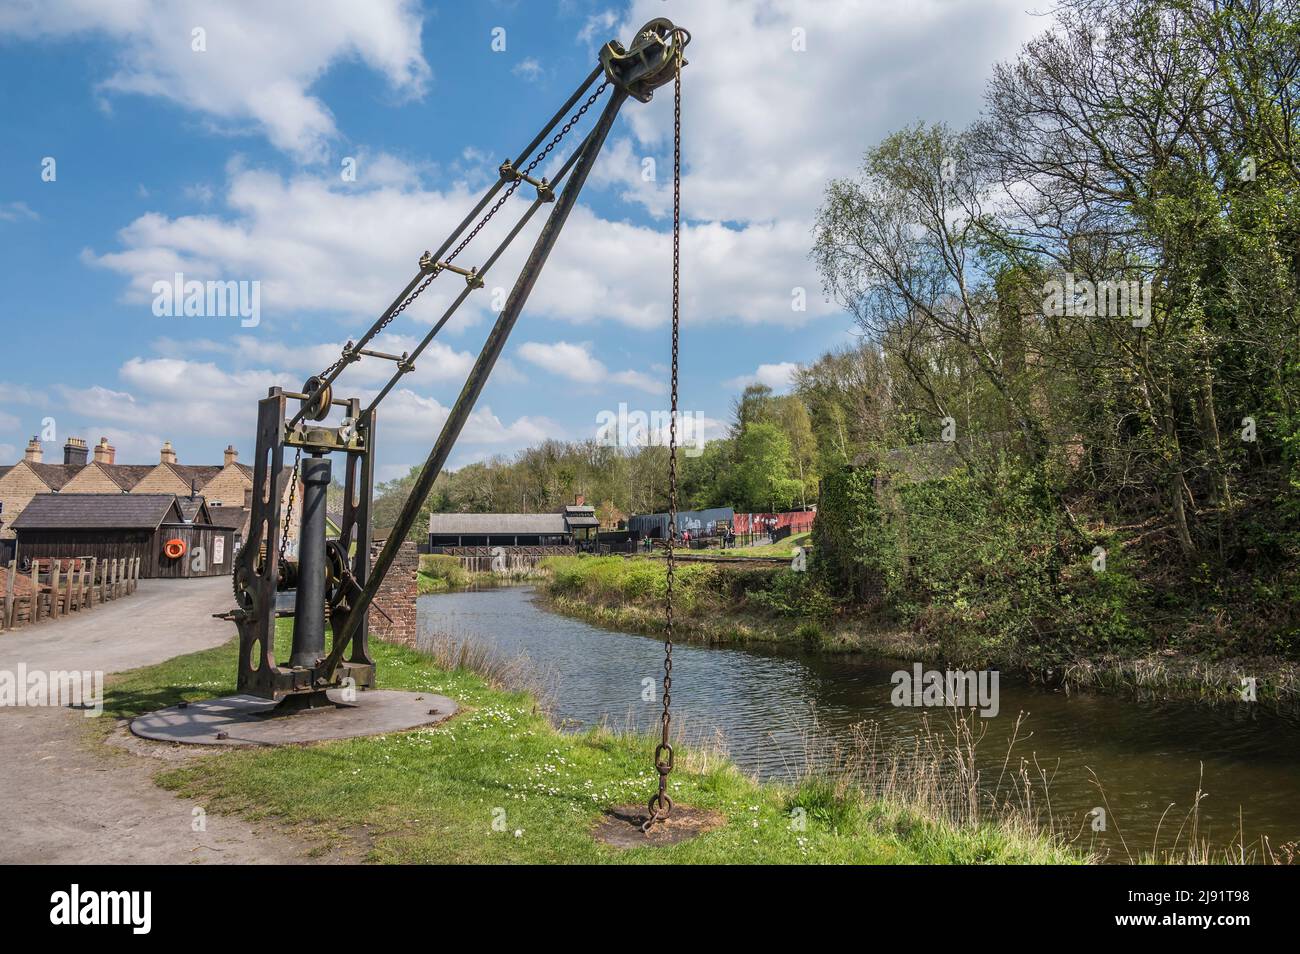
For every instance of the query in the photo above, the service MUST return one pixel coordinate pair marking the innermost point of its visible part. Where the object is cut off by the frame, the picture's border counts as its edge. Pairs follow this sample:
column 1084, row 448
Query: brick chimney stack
column 232, row 455
column 105, row 453
column 74, row 452
column 167, row 455
column 33, row 454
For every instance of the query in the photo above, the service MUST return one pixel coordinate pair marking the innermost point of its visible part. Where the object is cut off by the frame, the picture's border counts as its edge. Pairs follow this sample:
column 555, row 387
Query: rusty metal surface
column 660, row 805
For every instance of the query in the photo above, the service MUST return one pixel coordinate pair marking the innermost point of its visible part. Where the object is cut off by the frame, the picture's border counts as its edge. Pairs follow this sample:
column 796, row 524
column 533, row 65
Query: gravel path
column 64, row 801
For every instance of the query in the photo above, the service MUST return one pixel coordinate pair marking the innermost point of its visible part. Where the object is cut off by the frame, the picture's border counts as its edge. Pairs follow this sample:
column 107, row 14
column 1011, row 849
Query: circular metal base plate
column 252, row 720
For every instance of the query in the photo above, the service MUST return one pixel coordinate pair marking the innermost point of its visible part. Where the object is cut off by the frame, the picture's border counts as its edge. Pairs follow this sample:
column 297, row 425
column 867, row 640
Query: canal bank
column 754, row 606
column 498, row 783
column 782, row 712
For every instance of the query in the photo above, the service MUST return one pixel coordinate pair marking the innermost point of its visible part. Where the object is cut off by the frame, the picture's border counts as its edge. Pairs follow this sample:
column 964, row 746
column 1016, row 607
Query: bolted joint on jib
column 471, row 275
column 510, row 174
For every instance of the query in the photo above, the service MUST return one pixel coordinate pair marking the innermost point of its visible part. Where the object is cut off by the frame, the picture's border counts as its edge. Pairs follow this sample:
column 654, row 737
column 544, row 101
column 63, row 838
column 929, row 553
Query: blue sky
column 224, row 163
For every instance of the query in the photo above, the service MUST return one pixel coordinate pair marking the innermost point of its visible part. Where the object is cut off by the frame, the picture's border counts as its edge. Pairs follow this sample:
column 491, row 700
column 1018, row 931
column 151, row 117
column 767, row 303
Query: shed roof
column 231, row 517
column 98, row 512
column 194, row 510
column 483, row 524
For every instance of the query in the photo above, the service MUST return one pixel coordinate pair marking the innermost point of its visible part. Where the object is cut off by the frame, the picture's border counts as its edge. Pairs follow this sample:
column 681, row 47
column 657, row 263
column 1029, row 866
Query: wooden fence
column 58, row 587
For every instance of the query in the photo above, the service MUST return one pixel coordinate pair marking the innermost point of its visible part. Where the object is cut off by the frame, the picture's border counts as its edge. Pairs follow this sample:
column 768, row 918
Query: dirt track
column 65, row 801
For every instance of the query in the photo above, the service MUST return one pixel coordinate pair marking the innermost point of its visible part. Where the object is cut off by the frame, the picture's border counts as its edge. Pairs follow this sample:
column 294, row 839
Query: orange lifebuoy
column 174, row 549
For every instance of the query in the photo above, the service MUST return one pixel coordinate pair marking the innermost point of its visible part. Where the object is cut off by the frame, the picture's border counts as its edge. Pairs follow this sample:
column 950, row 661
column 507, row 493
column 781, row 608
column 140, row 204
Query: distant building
column 117, row 526
column 498, row 529
column 226, row 489
column 655, row 525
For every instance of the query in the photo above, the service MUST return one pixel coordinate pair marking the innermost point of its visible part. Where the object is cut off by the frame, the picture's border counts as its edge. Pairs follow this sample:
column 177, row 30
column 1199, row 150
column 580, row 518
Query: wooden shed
column 125, row 526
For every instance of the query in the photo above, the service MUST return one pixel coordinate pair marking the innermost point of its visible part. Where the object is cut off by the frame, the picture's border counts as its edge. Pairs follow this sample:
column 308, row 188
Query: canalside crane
column 335, row 577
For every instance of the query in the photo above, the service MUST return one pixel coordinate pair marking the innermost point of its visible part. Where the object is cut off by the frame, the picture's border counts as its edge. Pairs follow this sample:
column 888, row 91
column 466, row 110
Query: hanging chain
column 287, row 522
column 487, row 217
column 661, row 804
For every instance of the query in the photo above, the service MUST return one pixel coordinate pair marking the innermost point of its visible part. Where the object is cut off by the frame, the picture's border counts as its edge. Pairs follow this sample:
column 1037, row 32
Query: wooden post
column 35, row 612
column 135, row 575
column 54, row 589
column 81, row 583
column 117, row 579
column 90, row 590
column 67, row 591
column 7, row 613
column 103, row 581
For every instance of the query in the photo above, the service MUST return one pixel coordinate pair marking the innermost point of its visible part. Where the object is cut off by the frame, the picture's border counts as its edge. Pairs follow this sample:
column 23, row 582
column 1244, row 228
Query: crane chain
column 478, row 227
column 661, row 803
column 287, row 522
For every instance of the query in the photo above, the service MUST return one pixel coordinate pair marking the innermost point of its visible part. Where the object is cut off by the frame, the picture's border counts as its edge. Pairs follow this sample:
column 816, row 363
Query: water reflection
column 766, row 705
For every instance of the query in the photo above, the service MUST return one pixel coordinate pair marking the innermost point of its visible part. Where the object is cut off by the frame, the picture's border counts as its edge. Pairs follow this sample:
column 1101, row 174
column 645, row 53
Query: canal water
column 776, row 710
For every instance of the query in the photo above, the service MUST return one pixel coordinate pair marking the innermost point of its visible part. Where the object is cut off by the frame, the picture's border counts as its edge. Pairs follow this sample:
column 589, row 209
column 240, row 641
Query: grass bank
column 433, row 795
column 739, row 605
column 444, row 574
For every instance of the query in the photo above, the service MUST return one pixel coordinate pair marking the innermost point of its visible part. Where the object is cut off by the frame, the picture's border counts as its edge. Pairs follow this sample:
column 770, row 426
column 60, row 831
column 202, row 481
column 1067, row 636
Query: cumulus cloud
column 180, row 399
column 528, row 69
column 779, row 377
column 252, row 64
column 575, row 362
column 765, row 125
column 317, row 246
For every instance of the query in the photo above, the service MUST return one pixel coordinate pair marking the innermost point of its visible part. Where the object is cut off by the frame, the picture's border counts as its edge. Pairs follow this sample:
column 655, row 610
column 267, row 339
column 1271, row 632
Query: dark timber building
column 126, row 526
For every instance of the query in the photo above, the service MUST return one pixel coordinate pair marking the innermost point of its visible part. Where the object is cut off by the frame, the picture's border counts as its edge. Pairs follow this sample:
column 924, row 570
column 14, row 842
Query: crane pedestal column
column 309, row 603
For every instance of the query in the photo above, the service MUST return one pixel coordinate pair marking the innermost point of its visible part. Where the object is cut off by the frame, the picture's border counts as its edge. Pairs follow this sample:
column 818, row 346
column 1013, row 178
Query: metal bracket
column 649, row 63
column 427, row 264
column 510, row 174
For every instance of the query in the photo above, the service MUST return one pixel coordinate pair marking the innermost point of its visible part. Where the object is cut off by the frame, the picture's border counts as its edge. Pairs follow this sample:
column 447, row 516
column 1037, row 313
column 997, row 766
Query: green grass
column 431, row 795
column 782, row 548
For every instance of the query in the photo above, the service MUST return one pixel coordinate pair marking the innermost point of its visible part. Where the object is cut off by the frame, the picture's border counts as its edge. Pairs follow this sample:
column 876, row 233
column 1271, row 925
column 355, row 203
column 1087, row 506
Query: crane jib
column 263, row 567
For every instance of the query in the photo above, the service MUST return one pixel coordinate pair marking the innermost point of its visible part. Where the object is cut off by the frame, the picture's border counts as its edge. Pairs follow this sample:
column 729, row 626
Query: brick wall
column 396, row 596
column 16, row 491
column 91, row 480
column 161, row 480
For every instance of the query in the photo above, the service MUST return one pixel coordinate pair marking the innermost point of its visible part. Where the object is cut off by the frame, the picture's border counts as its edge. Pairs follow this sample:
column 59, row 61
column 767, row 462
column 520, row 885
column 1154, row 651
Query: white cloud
column 17, row 212
column 764, row 126
column 315, row 245
column 575, row 362
column 598, row 27
column 17, row 394
column 177, row 398
column 528, row 69
column 260, row 62
column 779, row 377
column 438, row 363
